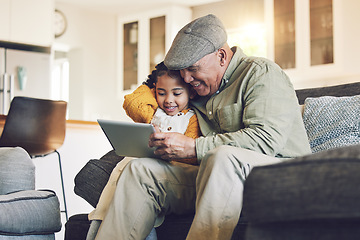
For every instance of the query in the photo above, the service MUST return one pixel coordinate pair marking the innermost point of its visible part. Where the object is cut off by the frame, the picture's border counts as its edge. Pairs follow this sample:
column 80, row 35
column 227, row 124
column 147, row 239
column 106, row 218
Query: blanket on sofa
column 108, row 193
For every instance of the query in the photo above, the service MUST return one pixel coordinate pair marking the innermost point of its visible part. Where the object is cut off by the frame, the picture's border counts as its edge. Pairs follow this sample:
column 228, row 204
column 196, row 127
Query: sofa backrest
column 349, row 89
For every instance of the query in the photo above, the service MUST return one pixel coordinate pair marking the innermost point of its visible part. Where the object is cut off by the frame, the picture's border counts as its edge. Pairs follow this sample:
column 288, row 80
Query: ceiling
column 126, row 6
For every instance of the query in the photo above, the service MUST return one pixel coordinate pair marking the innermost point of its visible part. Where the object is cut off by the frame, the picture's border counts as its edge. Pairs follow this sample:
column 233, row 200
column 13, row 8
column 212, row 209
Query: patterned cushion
column 332, row 122
column 29, row 212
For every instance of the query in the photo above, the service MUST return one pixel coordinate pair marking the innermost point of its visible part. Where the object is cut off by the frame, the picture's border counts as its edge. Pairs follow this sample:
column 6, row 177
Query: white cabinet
column 27, row 21
column 143, row 40
column 316, row 42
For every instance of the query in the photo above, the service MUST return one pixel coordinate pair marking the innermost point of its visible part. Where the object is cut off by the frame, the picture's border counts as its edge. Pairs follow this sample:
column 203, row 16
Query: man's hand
column 172, row 145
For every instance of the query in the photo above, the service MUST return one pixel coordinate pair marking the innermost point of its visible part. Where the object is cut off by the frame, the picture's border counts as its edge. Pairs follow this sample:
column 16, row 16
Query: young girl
column 163, row 100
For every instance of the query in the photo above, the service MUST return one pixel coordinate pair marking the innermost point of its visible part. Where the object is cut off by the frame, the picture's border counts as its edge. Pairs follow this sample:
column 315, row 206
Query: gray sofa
column 274, row 204
column 313, row 197
column 25, row 213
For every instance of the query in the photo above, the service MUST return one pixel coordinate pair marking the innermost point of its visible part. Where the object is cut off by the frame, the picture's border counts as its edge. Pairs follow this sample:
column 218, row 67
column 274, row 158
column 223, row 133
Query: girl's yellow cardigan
column 141, row 106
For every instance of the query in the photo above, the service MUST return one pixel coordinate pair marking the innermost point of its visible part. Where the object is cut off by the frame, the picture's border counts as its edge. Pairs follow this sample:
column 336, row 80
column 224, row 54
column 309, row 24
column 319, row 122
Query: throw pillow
column 332, row 122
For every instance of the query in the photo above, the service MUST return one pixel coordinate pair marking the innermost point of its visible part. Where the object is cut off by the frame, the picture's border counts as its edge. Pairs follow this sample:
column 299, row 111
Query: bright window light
column 60, row 80
column 250, row 38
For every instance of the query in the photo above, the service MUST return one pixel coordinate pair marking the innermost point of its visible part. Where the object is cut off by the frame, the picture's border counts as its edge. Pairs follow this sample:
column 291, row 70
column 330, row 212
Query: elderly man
column 248, row 115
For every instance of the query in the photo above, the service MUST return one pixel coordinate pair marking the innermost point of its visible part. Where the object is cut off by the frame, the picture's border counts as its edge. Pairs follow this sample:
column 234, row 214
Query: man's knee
column 227, row 157
column 223, row 150
column 221, row 154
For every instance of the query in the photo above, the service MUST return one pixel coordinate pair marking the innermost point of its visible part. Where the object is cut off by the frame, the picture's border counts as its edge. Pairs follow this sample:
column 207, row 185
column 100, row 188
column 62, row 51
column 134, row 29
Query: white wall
column 91, row 40
column 350, row 32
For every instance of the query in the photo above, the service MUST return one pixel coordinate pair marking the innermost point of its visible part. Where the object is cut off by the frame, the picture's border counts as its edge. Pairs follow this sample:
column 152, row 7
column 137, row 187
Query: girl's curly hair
column 160, row 70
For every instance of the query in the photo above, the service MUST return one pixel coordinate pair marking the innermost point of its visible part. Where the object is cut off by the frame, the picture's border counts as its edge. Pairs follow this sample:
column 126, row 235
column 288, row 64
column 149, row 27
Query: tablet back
column 128, row 139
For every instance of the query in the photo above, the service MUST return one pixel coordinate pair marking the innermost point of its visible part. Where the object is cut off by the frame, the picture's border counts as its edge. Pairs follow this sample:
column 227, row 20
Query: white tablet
column 128, row 139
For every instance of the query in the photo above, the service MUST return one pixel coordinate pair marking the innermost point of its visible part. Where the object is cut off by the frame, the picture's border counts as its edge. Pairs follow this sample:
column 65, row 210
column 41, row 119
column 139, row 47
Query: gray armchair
column 26, row 213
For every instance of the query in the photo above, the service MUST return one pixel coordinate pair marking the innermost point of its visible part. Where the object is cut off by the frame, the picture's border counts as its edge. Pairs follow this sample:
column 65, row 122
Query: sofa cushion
column 332, row 122
column 17, row 171
column 317, row 186
column 29, row 212
column 92, row 178
column 29, row 237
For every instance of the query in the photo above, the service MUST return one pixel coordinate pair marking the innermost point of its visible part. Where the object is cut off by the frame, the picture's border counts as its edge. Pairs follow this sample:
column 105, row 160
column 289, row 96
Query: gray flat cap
column 197, row 39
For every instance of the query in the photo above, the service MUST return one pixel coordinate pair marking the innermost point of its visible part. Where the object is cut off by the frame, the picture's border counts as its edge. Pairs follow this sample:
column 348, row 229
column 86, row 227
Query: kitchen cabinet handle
column 3, row 92
column 11, row 88
column 6, row 91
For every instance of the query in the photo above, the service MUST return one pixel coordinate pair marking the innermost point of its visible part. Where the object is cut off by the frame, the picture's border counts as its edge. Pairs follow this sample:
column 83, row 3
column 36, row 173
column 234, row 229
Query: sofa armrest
column 17, row 171
column 313, row 187
column 92, row 178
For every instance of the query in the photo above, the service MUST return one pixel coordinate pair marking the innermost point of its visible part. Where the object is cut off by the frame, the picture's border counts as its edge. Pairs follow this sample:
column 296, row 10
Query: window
column 60, row 80
column 251, row 39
